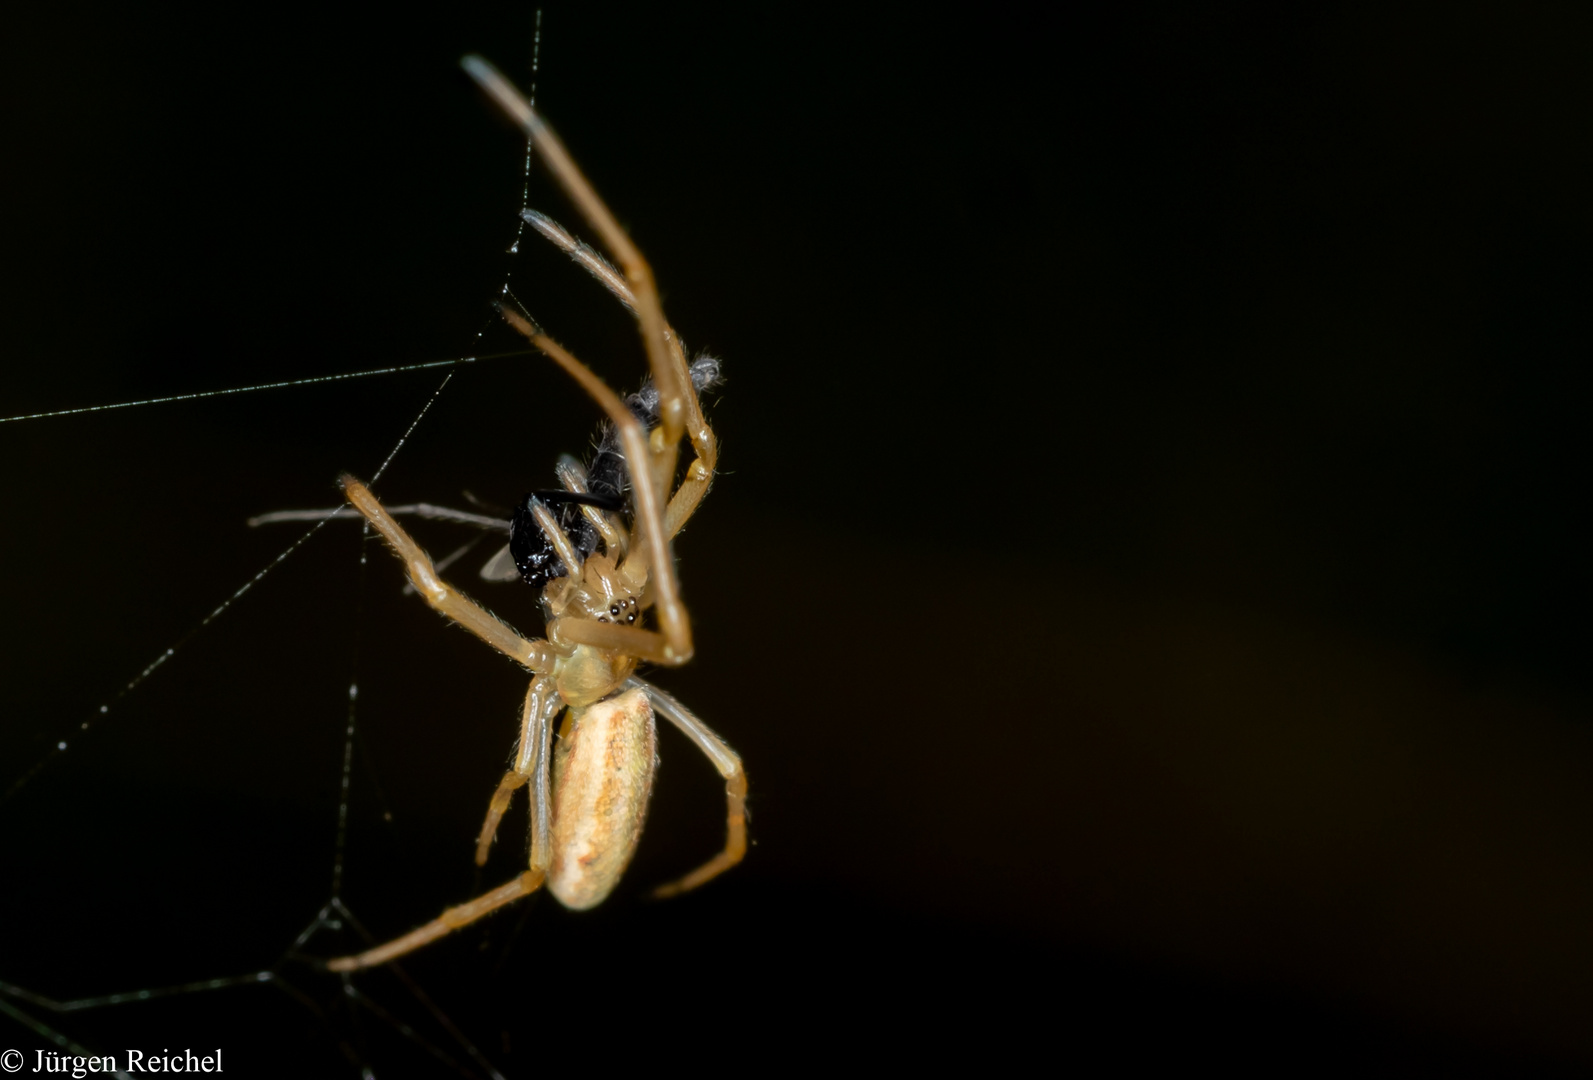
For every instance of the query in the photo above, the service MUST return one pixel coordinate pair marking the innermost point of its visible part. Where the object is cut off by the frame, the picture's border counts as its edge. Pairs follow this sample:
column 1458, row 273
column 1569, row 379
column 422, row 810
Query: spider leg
column 669, row 372
column 589, row 260
column 728, row 762
column 653, row 553
column 542, row 704
column 424, row 510
column 571, row 558
column 444, row 598
column 573, row 477
column 679, row 410
column 512, row 781
column 700, row 473
column 445, row 924
column 647, row 645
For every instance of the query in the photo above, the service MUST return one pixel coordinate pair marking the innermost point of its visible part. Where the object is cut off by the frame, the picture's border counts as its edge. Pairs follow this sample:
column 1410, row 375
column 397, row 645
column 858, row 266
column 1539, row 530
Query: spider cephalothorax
column 605, row 594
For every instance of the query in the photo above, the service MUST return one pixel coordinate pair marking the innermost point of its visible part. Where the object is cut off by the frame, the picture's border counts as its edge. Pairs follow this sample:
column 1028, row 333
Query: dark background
column 1143, row 583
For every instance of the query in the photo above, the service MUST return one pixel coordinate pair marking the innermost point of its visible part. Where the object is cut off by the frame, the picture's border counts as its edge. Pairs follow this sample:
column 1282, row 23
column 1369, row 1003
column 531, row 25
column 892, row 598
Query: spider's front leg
column 700, row 473
column 443, row 597
column 671, row 644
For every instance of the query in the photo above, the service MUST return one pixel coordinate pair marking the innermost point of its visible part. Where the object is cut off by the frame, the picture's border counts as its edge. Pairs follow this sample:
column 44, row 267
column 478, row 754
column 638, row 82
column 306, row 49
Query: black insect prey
column 606, row 489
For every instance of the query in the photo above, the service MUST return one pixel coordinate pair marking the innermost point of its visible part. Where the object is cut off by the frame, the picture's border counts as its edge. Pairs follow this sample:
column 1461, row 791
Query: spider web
column 444, row 1042
column 371, row 1018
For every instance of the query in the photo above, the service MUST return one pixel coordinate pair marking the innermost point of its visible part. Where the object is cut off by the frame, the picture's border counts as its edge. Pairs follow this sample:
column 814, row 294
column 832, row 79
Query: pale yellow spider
column 587, row 817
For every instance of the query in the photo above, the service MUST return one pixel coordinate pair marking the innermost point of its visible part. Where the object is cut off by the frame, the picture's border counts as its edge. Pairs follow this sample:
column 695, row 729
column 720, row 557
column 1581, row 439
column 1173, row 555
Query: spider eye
column 614, row 610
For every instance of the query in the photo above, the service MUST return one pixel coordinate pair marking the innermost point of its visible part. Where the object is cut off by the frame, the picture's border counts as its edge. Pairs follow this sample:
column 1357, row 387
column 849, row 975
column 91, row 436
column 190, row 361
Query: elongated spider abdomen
column 602, row 779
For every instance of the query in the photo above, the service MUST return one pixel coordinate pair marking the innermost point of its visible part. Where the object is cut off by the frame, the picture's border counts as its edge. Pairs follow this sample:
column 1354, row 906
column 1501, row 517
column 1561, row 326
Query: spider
column 597, row 580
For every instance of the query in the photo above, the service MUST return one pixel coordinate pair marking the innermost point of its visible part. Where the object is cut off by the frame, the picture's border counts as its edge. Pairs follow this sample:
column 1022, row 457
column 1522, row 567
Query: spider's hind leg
column 453, row 919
